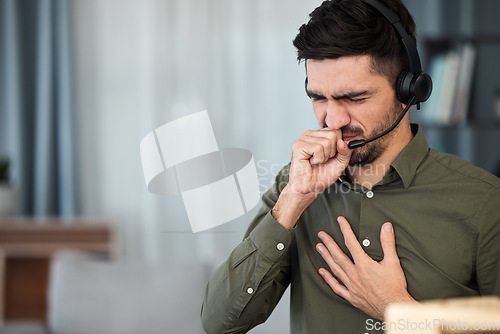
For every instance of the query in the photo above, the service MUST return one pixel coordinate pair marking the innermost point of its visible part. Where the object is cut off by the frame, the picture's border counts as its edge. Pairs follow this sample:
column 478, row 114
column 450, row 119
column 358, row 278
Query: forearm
column 244, row 290
column 290, row 207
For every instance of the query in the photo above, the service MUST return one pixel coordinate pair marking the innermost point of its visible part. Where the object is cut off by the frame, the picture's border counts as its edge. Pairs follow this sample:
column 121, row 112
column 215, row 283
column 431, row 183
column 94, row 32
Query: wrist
column 405, row 298
column 290, row 206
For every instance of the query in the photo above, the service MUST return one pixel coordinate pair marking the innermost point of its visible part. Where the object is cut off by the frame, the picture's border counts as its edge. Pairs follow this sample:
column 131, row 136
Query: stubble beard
column 370, row 152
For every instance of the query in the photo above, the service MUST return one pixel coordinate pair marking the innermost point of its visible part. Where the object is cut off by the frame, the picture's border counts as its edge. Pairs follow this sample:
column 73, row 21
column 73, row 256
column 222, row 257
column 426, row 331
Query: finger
column 334, row 135
column 327, row 145
column 351, row 241
column 344, row 153
column 334, row 266
column 336, row 253
column 323, row 133
column 334, row 284
column 331, row 135
column 317, row 148
column 388, row 241
column 338, row 133
column 324, row 152
column 305, row 149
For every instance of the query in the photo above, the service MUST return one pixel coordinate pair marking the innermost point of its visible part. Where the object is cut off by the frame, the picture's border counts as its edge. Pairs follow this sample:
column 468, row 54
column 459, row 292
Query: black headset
column 411, row 82
column 412, row 85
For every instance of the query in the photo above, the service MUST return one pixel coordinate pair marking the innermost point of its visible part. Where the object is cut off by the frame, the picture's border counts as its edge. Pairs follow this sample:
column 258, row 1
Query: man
column 353, row 230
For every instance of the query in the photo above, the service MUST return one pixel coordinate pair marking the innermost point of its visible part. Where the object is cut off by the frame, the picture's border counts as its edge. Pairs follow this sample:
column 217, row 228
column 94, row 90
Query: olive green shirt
column 446, row 218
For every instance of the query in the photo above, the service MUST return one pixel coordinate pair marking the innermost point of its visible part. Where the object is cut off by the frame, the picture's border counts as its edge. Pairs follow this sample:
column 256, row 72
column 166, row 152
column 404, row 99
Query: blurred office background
column 83, row 81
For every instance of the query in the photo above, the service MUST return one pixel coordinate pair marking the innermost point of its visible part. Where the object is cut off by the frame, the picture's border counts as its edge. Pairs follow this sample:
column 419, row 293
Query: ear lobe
column 403, row 106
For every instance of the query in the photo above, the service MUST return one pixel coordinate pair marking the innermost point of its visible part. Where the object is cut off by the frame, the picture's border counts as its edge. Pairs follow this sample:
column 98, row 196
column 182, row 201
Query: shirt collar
column 407, row 162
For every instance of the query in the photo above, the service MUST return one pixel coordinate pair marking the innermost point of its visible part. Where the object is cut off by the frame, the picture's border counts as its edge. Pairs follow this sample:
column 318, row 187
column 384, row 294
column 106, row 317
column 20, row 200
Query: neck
column 370, row 174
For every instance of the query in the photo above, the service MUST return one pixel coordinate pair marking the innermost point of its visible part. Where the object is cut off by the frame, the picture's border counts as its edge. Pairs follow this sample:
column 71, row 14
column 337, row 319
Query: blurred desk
column 26, row 245
column 463, row 315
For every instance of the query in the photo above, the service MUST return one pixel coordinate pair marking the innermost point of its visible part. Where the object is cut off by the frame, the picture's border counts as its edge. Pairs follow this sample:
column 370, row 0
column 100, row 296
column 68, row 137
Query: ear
column 403, row 106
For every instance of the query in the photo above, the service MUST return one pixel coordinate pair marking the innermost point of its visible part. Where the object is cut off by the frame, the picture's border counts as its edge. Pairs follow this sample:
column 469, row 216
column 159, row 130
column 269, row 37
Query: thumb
column 388, row 242
column 343, row 152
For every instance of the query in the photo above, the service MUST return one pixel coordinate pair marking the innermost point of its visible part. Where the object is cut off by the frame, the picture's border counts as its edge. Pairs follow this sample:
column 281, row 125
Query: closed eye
column 353, row 97
column 357, row 100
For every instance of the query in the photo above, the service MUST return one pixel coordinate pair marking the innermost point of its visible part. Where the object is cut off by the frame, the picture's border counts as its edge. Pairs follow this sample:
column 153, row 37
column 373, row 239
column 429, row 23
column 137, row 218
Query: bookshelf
column 444, row 27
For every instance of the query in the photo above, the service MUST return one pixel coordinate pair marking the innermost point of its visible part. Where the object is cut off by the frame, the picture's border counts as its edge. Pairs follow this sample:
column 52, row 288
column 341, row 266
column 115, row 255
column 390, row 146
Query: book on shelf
column 464, row 84
column 452, row 76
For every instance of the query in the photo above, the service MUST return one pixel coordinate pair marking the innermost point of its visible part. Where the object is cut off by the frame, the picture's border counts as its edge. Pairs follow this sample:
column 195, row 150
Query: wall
column 141, row 64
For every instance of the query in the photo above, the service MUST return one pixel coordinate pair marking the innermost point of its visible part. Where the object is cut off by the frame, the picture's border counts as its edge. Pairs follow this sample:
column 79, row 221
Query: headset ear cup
column 409, row 85
column 422, row 87
column 403, row 84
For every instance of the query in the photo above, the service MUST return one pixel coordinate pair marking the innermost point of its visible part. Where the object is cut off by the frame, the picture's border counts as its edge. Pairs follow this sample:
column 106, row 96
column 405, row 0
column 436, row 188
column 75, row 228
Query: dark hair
column 341, row 28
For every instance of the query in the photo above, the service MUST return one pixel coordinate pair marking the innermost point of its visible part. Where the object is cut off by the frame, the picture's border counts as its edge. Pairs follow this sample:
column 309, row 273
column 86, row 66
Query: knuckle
column 307, row 133
column 331, row 134
column 317, row 146
column 326, row 142
column 318, row 151
column 299, row 145
column 334, row 136
column 356, row 303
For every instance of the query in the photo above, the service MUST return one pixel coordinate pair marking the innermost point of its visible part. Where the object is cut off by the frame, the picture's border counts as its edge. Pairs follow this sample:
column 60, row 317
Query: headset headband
column 411, row 49
column 412, row 82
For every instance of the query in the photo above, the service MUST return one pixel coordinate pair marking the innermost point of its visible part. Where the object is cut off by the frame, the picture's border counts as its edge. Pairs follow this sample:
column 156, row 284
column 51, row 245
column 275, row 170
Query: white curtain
column 142, row 63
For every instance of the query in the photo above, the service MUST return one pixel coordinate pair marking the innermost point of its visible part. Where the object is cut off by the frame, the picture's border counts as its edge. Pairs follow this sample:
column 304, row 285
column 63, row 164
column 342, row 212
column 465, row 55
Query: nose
column 337, row 115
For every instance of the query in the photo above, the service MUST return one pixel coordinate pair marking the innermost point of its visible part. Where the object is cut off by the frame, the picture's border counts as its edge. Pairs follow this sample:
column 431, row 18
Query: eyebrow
column 344, row 96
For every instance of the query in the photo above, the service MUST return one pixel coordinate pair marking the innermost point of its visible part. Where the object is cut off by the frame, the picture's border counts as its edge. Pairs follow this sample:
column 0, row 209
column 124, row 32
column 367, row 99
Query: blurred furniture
column 23, row 327
column 461, row 315
column 87, row 295
column 26, row 245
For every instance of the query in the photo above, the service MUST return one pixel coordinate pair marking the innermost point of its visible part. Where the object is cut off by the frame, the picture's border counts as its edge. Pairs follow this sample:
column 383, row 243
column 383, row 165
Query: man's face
column 348, row 95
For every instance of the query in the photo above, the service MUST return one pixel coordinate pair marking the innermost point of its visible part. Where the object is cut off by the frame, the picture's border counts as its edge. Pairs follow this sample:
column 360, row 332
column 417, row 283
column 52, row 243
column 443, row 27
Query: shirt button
column 369, row 194
column 366, row 242
column 250, row 291
column 280, row 246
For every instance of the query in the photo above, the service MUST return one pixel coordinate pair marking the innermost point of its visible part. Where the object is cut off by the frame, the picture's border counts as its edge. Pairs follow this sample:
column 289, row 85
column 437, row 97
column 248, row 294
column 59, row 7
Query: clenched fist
column 318, row 159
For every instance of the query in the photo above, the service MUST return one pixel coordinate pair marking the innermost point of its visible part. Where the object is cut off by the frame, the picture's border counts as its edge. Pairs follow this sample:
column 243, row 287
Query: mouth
column 348, row 138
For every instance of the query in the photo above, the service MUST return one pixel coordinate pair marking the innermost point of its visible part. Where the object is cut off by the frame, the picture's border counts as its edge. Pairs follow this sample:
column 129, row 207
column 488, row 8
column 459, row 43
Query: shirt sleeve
column 245, row 289
column 488, row 250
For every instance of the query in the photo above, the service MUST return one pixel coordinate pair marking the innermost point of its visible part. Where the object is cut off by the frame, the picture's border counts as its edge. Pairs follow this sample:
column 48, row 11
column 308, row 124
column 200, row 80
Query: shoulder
column 458, row 185
column 449, row 167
